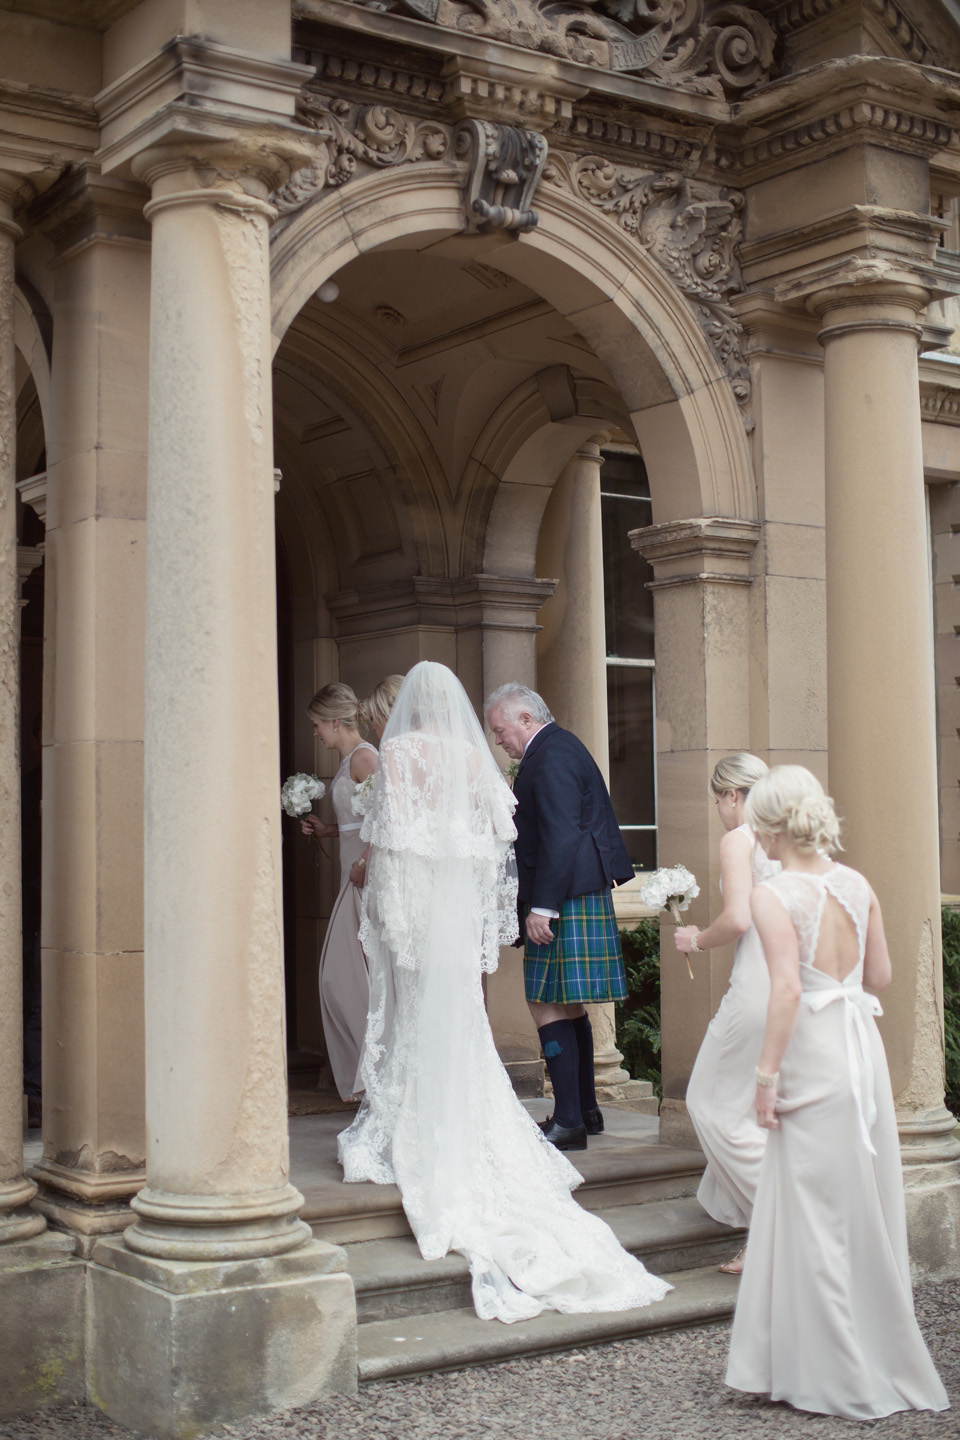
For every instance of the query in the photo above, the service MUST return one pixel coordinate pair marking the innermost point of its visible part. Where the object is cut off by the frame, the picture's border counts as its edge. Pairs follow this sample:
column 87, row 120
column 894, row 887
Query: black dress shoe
column 573, row 1139
column 593, row 1120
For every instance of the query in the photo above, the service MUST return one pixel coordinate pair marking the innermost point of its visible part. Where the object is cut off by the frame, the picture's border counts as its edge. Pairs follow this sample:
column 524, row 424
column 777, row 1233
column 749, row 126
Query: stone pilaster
column 882, row 734
column 572, row 671
column 94, row 510
column 701, row 594
column 17, row 1221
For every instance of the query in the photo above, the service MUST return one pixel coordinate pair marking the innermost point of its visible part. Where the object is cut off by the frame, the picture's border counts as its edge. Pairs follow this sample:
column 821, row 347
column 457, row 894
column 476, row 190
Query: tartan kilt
column 584, row 965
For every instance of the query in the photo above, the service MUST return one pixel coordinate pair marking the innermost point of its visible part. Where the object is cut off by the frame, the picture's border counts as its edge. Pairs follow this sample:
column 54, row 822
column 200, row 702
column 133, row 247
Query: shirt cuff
column 550, row 914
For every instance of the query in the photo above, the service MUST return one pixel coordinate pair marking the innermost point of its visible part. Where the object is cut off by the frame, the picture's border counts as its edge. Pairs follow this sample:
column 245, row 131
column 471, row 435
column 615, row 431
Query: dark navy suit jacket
column 568, row 841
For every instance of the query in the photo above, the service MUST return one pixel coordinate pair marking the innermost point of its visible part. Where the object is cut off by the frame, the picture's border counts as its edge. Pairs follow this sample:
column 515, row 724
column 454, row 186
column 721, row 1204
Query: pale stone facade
column 426, row 259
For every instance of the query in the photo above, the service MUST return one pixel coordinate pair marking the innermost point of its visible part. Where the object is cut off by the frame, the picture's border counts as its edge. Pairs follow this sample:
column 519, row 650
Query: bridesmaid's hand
column 766, row 1103
column 683, row 938
column 313, row 825
column 358, row 873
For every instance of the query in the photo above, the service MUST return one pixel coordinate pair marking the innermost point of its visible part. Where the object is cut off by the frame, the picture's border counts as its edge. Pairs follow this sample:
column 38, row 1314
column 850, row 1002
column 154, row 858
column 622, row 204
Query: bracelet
column 362, row 863
column 695, row 948
column 767, row 1082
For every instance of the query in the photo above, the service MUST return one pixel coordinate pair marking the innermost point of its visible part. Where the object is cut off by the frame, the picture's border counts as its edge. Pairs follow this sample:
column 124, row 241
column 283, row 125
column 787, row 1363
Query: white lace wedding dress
column 722, row 1084
column 440, row 1117
column 825, row 1317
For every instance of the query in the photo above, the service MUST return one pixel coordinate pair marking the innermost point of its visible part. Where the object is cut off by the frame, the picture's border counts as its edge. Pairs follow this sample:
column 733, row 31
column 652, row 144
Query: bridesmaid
column 824, row 1317
column 721, row 1088
column 344, row 986
column 374, row 714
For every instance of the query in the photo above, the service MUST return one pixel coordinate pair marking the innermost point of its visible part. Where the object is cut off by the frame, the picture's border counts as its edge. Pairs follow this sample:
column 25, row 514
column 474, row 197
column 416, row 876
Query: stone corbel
column 711, row 549
column 505, row 168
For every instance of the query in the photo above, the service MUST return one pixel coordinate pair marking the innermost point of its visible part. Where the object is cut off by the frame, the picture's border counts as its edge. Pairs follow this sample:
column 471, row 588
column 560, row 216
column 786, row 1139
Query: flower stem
column 674, row 911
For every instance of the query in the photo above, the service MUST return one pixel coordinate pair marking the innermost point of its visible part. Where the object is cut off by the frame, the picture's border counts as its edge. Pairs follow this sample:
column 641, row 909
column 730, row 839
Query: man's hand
column 538, row 929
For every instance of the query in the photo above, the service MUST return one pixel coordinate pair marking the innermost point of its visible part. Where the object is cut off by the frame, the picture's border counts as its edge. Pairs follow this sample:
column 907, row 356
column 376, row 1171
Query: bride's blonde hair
column 789, row 801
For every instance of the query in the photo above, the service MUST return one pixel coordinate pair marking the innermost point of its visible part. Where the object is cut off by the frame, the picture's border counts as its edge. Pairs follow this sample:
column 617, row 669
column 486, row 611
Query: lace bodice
column 804, row 895
column 342, row 787
column 761, row 866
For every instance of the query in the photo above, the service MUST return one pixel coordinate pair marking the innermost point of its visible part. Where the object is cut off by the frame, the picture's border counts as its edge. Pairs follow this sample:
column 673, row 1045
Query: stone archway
column 657, row 379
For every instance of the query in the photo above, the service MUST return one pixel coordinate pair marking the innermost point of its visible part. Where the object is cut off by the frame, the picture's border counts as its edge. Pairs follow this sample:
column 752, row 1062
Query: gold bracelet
column 767, row 1082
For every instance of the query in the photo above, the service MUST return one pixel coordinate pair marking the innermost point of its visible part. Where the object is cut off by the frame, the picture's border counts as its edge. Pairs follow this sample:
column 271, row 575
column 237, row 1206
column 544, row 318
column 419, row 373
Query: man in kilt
column 569, row 855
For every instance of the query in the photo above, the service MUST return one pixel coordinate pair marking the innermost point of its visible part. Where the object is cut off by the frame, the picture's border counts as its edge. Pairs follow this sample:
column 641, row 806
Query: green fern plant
column 950, row 930
column 638, row 1016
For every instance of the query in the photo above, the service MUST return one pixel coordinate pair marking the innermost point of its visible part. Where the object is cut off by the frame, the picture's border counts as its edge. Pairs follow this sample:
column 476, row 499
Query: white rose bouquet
column 670, row 889
column 299, row 793
column 362, row 797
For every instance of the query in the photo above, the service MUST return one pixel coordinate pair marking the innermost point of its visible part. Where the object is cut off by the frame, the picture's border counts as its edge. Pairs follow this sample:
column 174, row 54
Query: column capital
column 879, row 290
column 85, row 206
column 710, row 548
column 178, row 110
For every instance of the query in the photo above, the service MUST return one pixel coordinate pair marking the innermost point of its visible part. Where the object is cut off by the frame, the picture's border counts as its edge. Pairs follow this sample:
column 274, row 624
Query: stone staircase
column 416, row 1315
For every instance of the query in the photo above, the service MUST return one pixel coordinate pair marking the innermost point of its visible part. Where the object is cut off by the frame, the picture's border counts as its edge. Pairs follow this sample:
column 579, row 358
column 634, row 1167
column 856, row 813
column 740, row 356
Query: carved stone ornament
column 690, row 229
column 704, row 46
column 352, row 139
column 505, row 168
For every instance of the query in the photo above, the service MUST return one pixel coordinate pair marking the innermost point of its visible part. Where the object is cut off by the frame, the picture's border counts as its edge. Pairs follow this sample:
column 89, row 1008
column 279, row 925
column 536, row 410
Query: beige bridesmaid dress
column 722, row 1085
column 344, row 984
column 824, row 1317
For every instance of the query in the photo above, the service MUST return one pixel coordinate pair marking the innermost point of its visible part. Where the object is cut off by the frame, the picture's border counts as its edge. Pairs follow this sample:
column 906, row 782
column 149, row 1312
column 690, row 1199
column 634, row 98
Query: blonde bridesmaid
column 824, row 1317
column 720, row 1091
column 344, row 985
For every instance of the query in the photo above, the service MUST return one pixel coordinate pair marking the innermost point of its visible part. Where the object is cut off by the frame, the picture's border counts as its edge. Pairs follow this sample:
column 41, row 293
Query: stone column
column 882, row 734
column 17, row 1222
column 261, row 1322
column 572, row 669
column 701, row 595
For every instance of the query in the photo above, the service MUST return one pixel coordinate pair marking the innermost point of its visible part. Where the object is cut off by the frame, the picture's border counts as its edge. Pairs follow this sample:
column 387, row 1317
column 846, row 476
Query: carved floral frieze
column 704, row 46
column 690, row 229
column 355, row 139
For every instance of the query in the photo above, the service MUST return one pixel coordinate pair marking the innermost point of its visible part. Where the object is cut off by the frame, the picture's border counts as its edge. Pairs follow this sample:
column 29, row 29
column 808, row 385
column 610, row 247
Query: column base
column 42, row 1324
column 176, row 1346
column 676, row 1127
column 930, row 1153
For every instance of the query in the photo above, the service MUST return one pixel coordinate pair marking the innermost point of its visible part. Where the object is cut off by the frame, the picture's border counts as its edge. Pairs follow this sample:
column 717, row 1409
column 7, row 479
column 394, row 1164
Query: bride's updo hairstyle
column 336, row 702
column 375, row 709
column 789, row 801
column 737, row 772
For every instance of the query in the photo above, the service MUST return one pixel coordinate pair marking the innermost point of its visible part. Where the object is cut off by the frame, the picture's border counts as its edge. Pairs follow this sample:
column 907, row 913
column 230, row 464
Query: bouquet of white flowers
column 670, row 889
column 362, row 797
column 299, row 793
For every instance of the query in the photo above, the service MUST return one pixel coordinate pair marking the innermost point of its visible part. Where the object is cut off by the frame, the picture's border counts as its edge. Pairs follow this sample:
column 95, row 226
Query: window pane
column 628, row 606
column 630, row 708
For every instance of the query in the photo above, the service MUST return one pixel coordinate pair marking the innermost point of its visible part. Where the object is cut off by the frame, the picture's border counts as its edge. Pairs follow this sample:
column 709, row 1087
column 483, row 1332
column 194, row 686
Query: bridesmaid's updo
column 375, row 709
column 737, row 772
column 790, row 801
column 335, row 702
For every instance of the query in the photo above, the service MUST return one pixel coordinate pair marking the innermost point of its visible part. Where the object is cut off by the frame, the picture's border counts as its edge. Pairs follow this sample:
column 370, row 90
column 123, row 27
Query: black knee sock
column 559, row 1041
column 585, row 1073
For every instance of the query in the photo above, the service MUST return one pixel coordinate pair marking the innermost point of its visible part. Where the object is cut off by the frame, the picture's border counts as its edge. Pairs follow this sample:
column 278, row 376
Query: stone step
column 392, row 1279
column 452, row 1339
column 618, row 1170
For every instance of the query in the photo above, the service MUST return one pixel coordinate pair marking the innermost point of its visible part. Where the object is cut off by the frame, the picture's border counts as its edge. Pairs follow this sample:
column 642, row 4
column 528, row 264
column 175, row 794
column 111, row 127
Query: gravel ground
column 664, row 1387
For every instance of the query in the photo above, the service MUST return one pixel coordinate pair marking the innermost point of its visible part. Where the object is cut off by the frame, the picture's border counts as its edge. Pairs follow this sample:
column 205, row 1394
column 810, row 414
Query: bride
column 440, row 1118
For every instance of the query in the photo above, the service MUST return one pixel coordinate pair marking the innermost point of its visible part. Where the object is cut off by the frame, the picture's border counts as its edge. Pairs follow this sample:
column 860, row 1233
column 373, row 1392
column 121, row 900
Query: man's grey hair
column 513, row 698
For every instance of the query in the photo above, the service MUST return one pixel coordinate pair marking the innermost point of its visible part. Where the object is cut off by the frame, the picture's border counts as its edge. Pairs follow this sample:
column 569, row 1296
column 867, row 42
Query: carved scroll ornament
column 354, row 138
column 703, row 46
column 690, row 229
